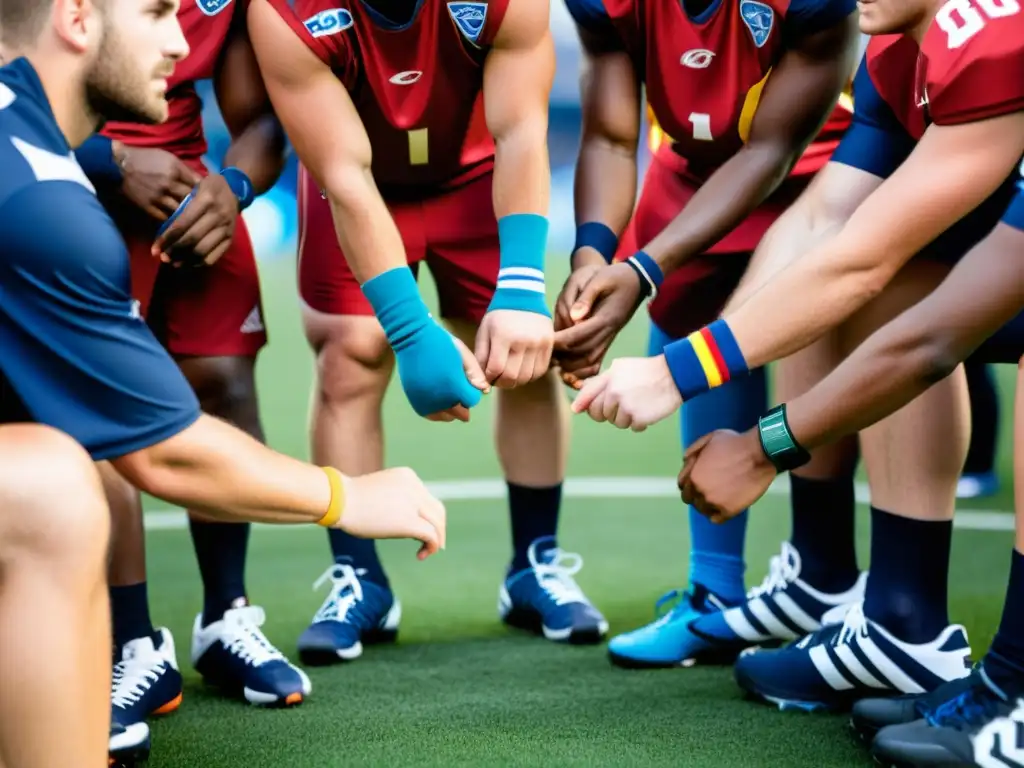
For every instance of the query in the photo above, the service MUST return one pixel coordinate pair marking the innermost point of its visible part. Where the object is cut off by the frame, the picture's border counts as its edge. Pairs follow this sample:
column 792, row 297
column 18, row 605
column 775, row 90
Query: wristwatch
column 777, row 441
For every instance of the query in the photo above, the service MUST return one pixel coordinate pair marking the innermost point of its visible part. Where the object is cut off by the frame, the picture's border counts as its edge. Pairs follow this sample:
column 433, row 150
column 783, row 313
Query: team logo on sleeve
column 328, row 22
column 469, row 18
column 212, row 7
column 759, row 19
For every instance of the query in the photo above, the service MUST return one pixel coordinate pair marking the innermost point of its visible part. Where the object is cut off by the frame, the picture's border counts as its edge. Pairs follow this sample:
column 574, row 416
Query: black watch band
column 777, row 441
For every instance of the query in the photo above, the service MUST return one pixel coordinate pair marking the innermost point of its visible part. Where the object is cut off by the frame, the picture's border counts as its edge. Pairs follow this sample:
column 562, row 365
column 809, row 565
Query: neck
column 66, row 95
column 918, row 30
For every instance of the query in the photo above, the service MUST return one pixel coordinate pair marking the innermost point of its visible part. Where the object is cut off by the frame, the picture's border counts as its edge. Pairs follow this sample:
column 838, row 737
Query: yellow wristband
column 337, row 505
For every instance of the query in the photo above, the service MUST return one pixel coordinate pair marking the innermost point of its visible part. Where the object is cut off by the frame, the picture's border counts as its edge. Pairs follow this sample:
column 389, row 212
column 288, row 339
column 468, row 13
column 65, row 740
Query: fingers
column 589, row 295
column 589, row 393
column 514, row 363
column 497, row 358
column 186, row 175
column 434, row 512
column 697, row 446
column 472, row 367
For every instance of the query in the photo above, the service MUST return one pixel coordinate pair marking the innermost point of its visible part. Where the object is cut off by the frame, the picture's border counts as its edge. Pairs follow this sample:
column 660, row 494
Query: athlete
column 725, row 472
column 76, row 354
column 425, row 126
column 741, row 88
column 886, row 168
column 209, row 319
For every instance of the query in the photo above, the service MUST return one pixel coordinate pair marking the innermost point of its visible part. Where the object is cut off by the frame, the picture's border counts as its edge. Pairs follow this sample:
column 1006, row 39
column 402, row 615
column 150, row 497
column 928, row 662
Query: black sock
column 534, row 515
column 362, row 553
column 906, row 590
column 824, row 516
column 129, row 612
column 984, row 418
column 220, row 551
column 1004, row 662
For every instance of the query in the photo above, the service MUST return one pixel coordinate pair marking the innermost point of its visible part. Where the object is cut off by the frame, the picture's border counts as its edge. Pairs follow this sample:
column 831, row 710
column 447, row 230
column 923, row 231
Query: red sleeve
column 324, row 30
column 974, row 64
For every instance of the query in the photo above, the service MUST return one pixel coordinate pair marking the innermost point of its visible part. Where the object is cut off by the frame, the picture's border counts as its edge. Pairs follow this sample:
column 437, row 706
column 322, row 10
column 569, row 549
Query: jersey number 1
column 961, row 21
column 701, row 123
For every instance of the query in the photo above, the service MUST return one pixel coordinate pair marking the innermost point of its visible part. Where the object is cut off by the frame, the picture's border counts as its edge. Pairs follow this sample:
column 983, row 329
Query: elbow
column 936, row 356
column 148, row 471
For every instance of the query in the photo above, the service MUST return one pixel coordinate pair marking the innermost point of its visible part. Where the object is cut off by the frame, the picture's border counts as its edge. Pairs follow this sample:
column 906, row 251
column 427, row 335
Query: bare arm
column 952, row 170
column 330, row 139
column 257, row 138
column 798, row 97
column 923, row 345
column 518, row 73
column 605, row 183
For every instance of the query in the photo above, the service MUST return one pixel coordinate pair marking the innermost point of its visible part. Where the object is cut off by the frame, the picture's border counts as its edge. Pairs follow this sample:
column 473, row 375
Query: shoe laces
column 133, row 675
column 244, row 639
column 854, row 624
column 555, row 574
column 346, row 591
column 783, row 570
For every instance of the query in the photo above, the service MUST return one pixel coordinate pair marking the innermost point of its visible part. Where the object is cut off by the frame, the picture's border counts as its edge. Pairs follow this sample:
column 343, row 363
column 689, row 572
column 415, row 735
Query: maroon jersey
column 418, row 88
column 206, row 24
column 704, row 73
column 970, row 66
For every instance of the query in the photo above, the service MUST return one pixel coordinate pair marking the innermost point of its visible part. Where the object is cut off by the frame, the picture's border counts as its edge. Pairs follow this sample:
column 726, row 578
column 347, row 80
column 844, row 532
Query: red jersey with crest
column 704, row 73
column 206, row 24
column 418, row 87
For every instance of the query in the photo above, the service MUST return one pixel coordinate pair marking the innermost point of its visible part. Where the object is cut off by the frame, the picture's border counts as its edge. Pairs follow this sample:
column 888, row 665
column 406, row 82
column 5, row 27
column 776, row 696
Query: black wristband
column 777, row 441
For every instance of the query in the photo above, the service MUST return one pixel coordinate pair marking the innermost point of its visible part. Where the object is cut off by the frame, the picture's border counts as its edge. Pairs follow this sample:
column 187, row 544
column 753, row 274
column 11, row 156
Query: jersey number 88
column 961, row 20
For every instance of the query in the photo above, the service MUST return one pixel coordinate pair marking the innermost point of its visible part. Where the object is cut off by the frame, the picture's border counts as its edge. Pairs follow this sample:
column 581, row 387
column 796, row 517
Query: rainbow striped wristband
column 705, row 359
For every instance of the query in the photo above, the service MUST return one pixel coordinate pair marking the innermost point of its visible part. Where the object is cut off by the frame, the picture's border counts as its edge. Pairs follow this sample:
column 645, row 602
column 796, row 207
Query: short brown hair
column 22, row 21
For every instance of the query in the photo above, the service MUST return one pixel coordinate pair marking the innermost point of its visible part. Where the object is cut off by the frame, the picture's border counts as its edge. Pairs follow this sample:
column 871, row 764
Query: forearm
column 721, row 204
column 605, row 188
column 259, row 152
column 220, row 470
column 522, row 171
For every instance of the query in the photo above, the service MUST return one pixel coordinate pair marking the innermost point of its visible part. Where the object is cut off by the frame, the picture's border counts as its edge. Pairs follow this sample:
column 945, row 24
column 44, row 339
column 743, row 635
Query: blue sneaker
column 668, row 641
column 545, row 598
column 782, row 608
column 355, row 613
column 234, row 654
column 145, row 681
column 841, row 663
column 982, row 726
column 977, row 485
column 128, row 745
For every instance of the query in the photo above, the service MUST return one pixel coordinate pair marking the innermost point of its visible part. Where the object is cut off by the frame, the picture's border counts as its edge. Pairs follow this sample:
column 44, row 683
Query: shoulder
column 319, row 25
column 969, row 50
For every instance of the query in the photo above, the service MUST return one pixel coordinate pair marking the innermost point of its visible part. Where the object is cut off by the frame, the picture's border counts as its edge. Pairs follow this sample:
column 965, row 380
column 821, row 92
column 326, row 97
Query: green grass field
column 459, row 689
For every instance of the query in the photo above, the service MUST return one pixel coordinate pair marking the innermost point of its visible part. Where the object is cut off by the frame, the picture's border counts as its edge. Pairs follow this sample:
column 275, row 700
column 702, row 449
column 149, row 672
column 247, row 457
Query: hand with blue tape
column 439, row 375
column 200, row 230
column 515, row 338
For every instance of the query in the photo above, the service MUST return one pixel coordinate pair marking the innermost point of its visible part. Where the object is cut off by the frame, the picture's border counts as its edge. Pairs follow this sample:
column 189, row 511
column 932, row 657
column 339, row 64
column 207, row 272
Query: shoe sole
column 326, row 656
column 714, row 657
column 529, row 621
column 786, row 704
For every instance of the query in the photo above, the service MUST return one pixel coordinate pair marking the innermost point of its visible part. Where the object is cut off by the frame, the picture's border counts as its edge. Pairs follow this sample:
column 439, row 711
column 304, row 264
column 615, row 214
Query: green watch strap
column 777, row 441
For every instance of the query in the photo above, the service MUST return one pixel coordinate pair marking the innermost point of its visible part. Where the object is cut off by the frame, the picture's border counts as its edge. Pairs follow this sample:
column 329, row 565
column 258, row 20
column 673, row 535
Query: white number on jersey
column 701, row 126
column 961, row 20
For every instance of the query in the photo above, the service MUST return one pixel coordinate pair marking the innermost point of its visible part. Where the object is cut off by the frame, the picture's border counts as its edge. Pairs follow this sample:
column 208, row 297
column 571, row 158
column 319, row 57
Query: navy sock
column 220, row 551
column 984, row 418
column 1004, row 662
column 906, row 590
column 362, row 553
column 129, row 612
column 824, row 516
column 534, row 515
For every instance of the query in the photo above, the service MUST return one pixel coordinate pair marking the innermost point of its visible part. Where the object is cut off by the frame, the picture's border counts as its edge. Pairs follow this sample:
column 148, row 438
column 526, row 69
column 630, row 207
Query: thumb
column 591, row 389
column 697, row 446
column 471, row 367
column 591, row 293
column 421, row 530
column 468, row 393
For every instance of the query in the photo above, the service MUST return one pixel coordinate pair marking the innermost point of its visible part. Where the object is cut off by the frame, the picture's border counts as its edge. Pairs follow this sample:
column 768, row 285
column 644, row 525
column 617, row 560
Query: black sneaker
column 869, row 716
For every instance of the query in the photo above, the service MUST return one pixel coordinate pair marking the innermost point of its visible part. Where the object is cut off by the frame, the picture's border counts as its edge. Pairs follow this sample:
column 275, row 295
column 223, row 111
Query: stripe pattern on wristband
column 705, row 359
column 650, row 274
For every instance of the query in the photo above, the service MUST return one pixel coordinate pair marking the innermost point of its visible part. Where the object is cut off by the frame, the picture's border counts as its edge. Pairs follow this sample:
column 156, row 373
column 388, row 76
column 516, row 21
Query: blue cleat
column 842, row 663
column 782, row 608
column 668, row 641
column 145, row 681
column 545, row 598
column 355, row 613
column 234, row 655
column 128, row 744
column 977, row 485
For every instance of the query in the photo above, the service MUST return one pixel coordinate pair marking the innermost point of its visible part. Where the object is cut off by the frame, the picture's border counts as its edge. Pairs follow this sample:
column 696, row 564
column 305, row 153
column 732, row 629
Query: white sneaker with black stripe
column 839, row 664
column 784, row 607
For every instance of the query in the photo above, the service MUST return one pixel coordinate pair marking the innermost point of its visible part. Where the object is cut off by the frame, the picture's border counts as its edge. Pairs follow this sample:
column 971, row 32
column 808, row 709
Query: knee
column 226, row 388
column 51, row 500
column 353, row 364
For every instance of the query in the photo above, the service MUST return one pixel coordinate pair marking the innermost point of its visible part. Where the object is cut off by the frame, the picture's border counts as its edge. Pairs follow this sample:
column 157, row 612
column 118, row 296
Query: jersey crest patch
column 329, row 22
column 469, row 18
column 212, row 7
column 759, row 19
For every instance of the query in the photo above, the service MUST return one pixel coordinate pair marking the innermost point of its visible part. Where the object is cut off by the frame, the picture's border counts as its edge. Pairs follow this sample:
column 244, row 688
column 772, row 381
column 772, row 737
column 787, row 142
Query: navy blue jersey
column 74, row 351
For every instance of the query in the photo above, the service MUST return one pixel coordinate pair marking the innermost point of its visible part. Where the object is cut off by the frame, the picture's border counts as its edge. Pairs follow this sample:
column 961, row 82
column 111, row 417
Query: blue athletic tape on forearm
column 96, row 156
column 598, row 236
column 522, row 242
column 241, row 185
column 648, row 271
column 396, row 301
column 705, row 359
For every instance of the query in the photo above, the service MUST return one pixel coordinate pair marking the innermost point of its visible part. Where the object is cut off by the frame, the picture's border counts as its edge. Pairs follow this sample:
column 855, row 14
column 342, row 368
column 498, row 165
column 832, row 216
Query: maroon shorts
column 695, row 294
column 205, row 311
column 454, row 232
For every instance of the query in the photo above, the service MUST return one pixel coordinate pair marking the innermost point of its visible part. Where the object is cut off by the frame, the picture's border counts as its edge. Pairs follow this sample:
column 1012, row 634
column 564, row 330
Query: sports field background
column 459, row 689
